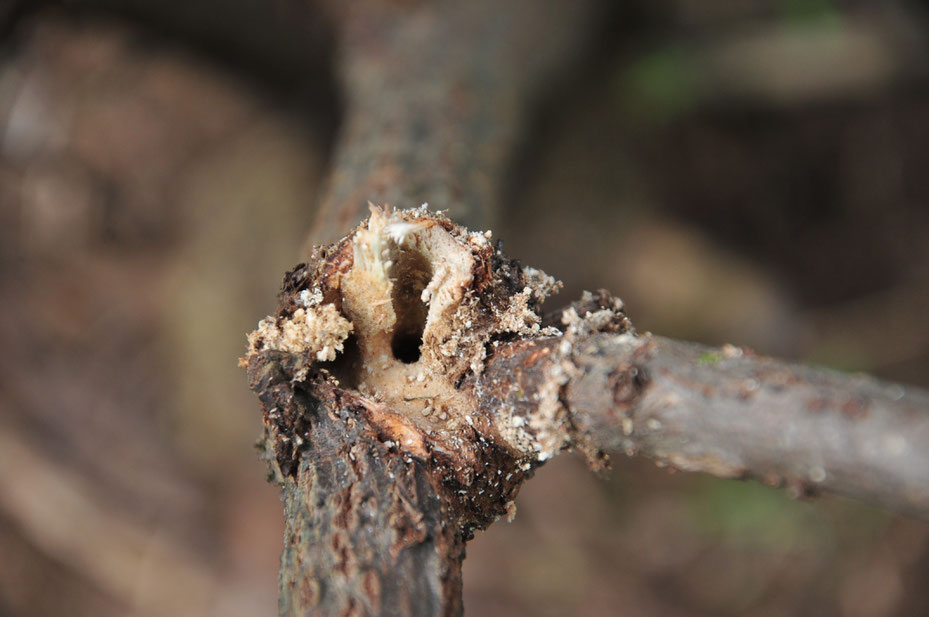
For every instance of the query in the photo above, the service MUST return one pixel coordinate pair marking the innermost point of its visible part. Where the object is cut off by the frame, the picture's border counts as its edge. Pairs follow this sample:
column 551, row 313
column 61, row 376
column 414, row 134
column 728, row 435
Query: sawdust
column 318, row 331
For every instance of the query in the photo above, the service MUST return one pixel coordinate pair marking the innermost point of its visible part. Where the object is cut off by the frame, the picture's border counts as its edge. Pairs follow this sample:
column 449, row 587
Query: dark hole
column 411, row 273
column 406, row 346
column 347, row 365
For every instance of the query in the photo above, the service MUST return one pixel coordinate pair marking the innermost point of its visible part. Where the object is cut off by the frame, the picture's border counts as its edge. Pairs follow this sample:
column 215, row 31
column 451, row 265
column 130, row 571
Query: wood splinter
column 409, row 385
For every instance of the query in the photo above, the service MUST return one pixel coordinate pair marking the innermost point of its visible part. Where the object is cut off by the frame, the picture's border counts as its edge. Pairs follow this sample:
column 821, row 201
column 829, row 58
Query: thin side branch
column 735, row 414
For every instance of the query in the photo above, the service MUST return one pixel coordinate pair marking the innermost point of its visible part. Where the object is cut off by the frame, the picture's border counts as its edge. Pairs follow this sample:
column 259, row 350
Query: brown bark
column 435, row 93
column 366, row 533
column 734, row 414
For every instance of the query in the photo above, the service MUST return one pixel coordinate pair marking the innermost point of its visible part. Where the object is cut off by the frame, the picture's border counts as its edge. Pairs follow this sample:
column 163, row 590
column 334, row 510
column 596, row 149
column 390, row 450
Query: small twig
column 734, row 414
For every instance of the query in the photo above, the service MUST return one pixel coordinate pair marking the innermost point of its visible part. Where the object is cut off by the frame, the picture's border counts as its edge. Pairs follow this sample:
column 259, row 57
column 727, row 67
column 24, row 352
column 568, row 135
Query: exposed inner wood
column 479, row 392
column 421, row 299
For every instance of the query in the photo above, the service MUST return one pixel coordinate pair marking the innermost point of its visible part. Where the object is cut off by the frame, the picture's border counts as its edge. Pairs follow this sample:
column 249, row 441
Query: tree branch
column 435, row 98
column 435, row 94
column 734, row 414
column 365, row 530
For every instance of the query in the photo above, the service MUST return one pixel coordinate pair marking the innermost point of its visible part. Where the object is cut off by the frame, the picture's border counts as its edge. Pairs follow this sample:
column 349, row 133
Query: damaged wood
column 428, row 409
column 438, row 387
column 390, row 457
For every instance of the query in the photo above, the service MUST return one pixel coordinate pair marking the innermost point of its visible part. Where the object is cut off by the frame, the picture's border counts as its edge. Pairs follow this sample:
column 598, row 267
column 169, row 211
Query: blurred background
column 752, row 172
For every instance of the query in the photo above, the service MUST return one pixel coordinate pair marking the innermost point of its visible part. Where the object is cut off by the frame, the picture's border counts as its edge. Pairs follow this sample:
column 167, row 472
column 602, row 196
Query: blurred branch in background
column 438, row 99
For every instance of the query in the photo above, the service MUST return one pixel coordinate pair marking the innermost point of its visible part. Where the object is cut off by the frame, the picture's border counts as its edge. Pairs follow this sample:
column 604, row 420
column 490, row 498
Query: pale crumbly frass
column 317, row 331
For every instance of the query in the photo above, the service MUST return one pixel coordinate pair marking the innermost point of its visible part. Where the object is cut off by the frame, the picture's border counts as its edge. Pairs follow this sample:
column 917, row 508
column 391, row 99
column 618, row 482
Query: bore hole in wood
column 411, row 274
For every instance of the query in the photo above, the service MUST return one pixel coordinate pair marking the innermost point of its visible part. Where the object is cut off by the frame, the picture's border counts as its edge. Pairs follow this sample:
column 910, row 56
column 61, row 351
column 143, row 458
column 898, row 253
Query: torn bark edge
column 475, row 492
column 530, row 379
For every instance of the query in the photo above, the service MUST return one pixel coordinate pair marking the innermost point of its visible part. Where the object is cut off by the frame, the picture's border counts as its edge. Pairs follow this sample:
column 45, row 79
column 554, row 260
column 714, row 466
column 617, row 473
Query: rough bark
column 734, row 414
column 380, row 493
column 366, row 533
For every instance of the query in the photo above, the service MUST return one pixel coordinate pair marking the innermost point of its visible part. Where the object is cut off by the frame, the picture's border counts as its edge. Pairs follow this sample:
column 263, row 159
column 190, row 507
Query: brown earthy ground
column 752, row 178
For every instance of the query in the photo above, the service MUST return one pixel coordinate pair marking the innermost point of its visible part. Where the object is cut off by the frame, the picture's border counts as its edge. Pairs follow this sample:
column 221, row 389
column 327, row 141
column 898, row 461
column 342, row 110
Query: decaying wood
column 385, row 481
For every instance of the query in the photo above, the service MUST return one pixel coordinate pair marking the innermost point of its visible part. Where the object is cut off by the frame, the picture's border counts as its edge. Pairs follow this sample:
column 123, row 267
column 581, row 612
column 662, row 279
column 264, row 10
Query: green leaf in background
column 755, row 516
column 809, row 11
column 662, row 85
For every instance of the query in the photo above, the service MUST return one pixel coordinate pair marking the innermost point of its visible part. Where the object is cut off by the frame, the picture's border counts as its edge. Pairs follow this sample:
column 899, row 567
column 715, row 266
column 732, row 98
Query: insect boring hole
column 411, row 273
column 347, row 365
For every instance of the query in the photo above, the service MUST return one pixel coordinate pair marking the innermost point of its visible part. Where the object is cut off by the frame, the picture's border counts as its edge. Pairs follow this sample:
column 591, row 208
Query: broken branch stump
column 409, row 385
column 371, row 423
